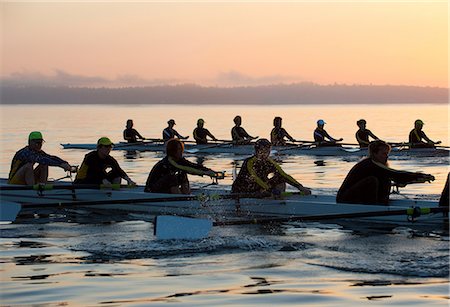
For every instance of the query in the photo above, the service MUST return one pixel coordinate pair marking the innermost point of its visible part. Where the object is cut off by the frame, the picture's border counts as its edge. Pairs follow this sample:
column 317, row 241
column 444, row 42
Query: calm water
column 93, row 262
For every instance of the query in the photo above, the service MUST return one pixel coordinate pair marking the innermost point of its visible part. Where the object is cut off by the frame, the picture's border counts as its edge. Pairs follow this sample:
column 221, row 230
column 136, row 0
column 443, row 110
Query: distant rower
column 170, row 133
column 238, row 134
column 200, row 133
column 260, row 174
column 320, row 134
column 130, row 134
column 416, row 135
column 362, row 135
column 278, row 133
column 170, row 174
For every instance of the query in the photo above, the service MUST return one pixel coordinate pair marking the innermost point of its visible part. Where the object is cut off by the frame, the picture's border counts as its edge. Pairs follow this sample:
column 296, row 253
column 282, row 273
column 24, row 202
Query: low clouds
column 61, row 78
column 236, row 78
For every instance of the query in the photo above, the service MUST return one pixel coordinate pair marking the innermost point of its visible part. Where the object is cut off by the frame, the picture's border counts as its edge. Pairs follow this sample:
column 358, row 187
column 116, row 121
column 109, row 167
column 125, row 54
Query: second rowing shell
column 249, row 149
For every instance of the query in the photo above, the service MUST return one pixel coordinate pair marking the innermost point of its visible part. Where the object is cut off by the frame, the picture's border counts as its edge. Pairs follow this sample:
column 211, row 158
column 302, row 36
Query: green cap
column 104, row 141
column 35, row 135
column 200, row 120
column 418, row 122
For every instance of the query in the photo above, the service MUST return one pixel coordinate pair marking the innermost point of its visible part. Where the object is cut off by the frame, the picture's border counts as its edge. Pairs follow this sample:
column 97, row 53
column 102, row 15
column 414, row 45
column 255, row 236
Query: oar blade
column 169, row 227
column 9, row 211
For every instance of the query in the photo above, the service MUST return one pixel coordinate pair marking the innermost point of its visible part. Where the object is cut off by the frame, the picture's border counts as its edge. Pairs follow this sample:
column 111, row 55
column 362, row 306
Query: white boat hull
column 211, row 206
column 249, row 149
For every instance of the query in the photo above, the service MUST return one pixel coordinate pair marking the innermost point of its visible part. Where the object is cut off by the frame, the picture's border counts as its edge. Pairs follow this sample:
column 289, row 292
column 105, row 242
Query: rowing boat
column 215, row 204
column 228, row 148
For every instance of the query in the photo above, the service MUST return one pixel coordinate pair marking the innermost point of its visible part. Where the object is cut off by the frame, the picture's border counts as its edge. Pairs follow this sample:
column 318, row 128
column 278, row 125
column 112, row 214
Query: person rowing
column 130, row 134
column 363, row 134
column 98, row 167
column 200, row 133
column 22, row 169
column 238, row 134
column 320, row 134
column 256, row 170
column 169, row 175
column 170, row 133
column 417, row 135
column 278, row 133
column 369, row 181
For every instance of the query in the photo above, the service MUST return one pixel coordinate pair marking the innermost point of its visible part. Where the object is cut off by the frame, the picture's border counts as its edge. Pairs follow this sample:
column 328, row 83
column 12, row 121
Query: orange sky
column 240, row 43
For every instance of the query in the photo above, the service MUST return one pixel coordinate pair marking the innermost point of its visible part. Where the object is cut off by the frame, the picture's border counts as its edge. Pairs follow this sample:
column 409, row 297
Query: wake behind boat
column 290, row 149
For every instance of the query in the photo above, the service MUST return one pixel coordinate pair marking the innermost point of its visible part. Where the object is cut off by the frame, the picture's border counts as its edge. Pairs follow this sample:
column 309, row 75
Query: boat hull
column 213, row 205
column 280, row 150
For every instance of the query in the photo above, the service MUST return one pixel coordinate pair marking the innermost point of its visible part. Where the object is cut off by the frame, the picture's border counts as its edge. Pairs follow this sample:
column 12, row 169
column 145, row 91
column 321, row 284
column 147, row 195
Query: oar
column 9, row 211
column 406, row 144
column 194, row 150
column 175, row 227
column 48, row 187
column 150, row 199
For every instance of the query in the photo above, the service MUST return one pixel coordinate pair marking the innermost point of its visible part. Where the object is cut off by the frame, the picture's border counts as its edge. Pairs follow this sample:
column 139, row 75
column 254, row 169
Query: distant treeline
column 303, row 93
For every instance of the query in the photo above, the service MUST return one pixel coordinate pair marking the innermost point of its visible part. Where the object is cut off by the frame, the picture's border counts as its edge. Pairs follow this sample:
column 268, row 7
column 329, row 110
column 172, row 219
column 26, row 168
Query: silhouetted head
column 379, row 151
column 130, row 123
column 175, row 148
column 277, row 121
column 237, row 120
column 361, row 123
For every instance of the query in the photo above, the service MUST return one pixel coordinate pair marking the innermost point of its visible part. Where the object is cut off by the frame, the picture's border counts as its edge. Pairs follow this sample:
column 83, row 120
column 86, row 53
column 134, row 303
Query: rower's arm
column 289, row 136
column 289, row 179
column 373, row 135
column 210, row 135
column 426, row 138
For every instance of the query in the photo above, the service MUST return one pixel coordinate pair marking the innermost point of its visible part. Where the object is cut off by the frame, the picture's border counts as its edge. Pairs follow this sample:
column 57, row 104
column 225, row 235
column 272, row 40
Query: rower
column 169, row 175
column 22, row 166
column 238, row 134
column 256, row 170
column 320, row 134
column 170, row 133
column 130, row 134
column 444, row 199
column 369, row 181
column 278, row 133
column 99, row 167
column 200, row 133
column 362, row 135
column 416, row 135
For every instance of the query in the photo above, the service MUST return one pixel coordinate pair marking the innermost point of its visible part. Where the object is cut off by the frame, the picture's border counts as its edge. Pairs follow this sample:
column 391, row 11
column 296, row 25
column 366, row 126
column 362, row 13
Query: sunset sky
column 226, row 44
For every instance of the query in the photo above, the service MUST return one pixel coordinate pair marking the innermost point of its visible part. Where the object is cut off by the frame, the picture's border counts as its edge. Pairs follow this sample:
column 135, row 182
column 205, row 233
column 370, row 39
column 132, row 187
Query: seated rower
column 444, row 199
column 200, row 133
column 320, row 134
column 22, row 165
column 278, row 133
column 416, row 135
column 170, row 133
column 170, row 174
column 369, row 181
column 99, row 167
column 238, row 134
column 130, row 134
column 256, row 170
column 362, row 135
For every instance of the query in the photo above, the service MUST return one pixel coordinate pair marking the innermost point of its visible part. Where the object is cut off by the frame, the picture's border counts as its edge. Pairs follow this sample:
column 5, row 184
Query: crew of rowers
column 279, row 136
column 368, row 182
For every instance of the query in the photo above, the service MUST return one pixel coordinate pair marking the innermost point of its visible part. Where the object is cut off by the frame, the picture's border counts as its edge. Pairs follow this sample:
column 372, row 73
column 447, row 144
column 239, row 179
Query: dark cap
column 262, row 143
column 171, row 121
